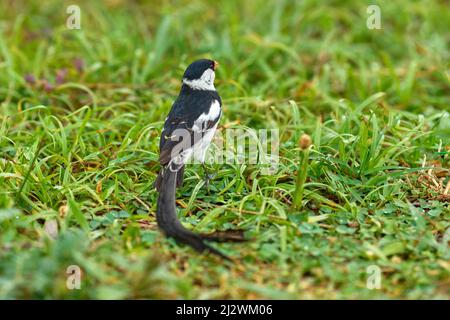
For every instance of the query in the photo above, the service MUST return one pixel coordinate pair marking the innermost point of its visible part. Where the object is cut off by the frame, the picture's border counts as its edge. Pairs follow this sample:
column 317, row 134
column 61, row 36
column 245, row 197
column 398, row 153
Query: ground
column 81, row 111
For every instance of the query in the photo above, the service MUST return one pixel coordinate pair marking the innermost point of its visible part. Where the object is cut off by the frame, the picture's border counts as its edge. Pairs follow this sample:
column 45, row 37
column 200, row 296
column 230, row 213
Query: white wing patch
column 212, row 115
column 200, row 149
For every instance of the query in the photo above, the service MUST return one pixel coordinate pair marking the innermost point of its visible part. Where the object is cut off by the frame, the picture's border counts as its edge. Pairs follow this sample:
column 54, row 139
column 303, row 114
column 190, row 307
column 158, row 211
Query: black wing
column 175, row 120
column 184, row 112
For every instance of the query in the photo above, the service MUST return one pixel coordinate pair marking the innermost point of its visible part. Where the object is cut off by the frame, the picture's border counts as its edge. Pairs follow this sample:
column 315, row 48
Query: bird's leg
column 207, row 176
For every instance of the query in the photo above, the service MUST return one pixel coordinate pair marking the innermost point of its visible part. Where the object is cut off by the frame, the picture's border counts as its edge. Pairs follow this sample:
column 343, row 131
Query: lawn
column 81, row 111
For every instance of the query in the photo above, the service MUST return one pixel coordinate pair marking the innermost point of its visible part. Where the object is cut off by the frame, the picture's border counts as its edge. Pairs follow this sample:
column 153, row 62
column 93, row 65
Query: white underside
column 201, row 148
column 198, row 151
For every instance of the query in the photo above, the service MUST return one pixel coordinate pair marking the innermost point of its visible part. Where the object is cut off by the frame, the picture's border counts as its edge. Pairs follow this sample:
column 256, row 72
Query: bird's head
column 200, row 74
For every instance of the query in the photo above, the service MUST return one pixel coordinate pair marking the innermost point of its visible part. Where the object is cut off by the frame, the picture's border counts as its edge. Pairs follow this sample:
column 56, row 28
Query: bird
column 187, row 133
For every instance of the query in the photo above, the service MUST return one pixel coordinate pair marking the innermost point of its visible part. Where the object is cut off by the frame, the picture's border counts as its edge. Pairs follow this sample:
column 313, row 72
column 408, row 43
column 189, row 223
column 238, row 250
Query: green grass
column 83, row 153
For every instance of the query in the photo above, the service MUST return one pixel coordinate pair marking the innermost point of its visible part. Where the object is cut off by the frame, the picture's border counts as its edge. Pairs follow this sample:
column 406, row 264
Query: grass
column 81, row 112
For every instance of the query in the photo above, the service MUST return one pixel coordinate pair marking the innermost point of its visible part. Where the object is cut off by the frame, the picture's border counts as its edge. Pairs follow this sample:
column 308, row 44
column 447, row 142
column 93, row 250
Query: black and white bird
column 188, row 131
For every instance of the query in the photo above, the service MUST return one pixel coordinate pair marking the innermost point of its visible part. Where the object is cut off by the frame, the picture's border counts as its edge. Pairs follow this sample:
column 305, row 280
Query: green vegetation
column 81, row 112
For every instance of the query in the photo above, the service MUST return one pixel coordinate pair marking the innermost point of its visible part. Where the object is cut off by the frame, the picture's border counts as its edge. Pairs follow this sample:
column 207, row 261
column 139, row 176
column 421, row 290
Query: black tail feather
column 159, row 178
column 167, row 219
column 225, row 236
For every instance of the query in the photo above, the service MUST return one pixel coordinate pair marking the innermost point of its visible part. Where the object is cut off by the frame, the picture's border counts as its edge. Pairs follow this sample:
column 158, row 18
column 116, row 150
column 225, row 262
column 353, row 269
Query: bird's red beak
column 216, row 65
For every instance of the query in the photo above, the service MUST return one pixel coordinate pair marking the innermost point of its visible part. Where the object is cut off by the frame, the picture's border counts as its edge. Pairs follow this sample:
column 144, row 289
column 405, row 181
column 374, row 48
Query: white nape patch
column 212, row 115
column 206, row 81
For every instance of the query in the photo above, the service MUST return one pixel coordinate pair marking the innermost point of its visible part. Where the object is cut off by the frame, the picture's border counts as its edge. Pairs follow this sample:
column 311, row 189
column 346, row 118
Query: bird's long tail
column 168, row 222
